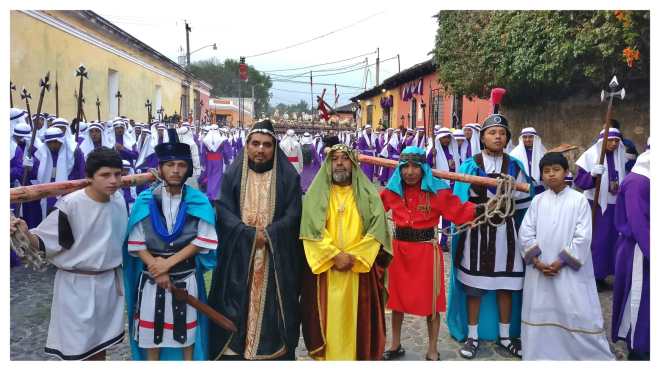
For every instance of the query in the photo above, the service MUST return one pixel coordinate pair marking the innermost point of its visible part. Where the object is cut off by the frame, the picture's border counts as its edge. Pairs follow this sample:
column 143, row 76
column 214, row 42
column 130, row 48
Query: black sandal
column 471, row 346
column 429, row 359
column 514, row 348
column 391, row 355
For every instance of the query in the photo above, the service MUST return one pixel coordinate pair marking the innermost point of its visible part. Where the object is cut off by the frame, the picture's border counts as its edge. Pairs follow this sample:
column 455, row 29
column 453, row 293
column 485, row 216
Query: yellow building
column 60, row 40
column 372, row 111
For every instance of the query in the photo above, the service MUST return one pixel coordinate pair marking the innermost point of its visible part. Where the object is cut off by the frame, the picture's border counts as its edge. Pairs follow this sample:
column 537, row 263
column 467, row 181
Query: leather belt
column 414, row 235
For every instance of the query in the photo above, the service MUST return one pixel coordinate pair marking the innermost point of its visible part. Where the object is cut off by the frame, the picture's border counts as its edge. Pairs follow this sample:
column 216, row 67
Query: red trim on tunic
column 136, row 243
column 214, row 156
column 206, row 239
column 166, row 325
column 293, row 159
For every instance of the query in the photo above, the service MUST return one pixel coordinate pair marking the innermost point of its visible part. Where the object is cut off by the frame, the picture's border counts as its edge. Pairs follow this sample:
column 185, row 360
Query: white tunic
column 87, row 312
column 499, row 279
column 206, row 240
column 561, row 315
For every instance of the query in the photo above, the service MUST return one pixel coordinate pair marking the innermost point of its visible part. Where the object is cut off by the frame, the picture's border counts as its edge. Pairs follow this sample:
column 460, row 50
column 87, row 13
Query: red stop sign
column 243, row 71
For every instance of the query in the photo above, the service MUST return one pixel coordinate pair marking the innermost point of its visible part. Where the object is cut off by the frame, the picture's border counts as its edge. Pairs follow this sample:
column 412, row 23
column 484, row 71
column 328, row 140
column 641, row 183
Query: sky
column 248, row 28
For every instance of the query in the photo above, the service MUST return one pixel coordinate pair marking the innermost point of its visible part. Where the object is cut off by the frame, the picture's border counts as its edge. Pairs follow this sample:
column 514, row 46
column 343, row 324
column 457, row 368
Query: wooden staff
column 44, row 85
column 82, row 73
column 98, row 108
column 39, row 191
column 118, row 96
column 603, row 95
column 472, row 179
column 57, row 97
column 212, row 314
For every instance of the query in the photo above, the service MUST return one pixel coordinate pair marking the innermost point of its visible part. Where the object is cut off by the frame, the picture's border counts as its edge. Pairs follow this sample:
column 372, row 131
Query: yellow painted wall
column 378, row 111
column 37, row 47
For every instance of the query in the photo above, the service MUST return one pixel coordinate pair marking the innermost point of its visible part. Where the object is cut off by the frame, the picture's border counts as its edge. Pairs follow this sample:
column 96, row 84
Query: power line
column 314, row 71
column 293, row 91
column 317, row 83
column 321, row 64
column 315, row 38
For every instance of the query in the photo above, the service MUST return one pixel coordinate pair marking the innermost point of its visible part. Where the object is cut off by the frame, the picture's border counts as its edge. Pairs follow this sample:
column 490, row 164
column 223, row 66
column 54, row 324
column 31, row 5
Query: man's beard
column 340, row 176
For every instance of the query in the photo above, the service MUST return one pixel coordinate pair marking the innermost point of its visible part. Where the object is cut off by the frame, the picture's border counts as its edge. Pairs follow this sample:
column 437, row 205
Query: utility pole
column 188, row 29
column 253, row 105
column 311, row 94
column 366, row 71
column 398, row 60
column 377, row 66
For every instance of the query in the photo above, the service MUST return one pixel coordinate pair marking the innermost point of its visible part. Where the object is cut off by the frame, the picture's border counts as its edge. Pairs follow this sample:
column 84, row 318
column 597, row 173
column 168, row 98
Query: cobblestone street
column 31, row 295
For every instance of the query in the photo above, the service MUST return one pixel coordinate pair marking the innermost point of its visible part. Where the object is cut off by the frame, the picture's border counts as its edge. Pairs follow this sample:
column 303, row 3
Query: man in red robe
column 416, row 277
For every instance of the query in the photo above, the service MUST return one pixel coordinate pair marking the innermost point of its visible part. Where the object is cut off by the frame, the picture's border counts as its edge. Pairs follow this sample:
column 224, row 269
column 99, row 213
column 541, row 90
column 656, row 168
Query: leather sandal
column 390, row 355
column 514, row 348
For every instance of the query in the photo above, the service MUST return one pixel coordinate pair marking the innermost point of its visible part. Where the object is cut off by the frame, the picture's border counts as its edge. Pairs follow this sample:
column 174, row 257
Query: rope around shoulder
column 496, row 209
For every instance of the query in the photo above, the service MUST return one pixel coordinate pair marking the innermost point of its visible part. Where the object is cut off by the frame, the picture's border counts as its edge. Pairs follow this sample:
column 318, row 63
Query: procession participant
column 129, row 193
column 391, row 151
column 561, row 316
column 147, row 158
column 311, row 161
column 472, row 134
column 137, row 130
column 347, row 246
column 187, row 135
column 462, row 144
column 613, row 172
column 419, row 140
column 171, row 243
column 83, row 130
column 416, row 276
column 54, row 161
column 407, row 139
column 214, row 156
column 30, row 211
column 529, row 152
column 94, row 137
column 446, row 158
column 366, row 144
column 487, row 270
column 82, row 237
column 631, row 298
column 257, row 282
column 289, row 144
column 631, row 152
column 123, row 141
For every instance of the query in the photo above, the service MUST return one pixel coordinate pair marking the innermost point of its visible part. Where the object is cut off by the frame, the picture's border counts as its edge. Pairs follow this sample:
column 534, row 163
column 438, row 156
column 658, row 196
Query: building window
column 386, row 117
column 413, row 114
column 457, row 112
column 370, row 115
column 113, row 88
column 437, row 109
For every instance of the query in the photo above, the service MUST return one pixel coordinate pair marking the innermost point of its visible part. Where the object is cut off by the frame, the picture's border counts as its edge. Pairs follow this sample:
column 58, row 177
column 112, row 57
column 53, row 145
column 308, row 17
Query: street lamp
column 184, row 58
column 215, row 47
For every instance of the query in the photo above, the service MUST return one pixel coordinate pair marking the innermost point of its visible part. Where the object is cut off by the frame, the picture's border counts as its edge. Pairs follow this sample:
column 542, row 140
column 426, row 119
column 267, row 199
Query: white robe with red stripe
column 293, row 151
column 206, row 240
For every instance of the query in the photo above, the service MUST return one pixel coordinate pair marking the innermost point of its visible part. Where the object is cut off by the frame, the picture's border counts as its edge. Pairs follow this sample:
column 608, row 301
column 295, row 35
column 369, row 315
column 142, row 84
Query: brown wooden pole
column 39, row 191
column 212, row 314
column 472, row 179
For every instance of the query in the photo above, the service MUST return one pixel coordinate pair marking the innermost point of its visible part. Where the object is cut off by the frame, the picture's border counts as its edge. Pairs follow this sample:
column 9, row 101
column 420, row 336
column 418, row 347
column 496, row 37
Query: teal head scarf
column 418, row 156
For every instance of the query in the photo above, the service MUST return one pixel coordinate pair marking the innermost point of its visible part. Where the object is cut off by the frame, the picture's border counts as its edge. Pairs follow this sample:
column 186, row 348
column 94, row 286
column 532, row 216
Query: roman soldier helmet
column 174, row 150
column 496, row 119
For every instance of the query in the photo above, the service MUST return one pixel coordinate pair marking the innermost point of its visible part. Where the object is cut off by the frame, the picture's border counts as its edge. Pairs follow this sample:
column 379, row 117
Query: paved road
column 31, row 295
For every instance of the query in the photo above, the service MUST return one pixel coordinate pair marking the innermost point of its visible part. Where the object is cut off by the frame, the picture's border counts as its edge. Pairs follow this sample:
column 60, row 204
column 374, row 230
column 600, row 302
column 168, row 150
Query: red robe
column 410, row 285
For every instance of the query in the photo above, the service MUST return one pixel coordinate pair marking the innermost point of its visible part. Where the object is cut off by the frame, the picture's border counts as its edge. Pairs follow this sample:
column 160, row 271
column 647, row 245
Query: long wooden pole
column 472, row 179
column 39, row 191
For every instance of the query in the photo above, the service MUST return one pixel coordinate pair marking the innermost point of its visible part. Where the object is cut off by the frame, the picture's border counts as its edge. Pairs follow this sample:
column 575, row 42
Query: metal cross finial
column 118, row 95
column 44, row 83
column 81, row 71
column 614, row 83
column 25, row 94
column 98, row 102
column 148, row 104
column 12, row 86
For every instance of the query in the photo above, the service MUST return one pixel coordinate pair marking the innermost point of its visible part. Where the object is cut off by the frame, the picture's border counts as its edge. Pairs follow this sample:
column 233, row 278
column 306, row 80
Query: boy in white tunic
column 561, row 316
column 83, row 238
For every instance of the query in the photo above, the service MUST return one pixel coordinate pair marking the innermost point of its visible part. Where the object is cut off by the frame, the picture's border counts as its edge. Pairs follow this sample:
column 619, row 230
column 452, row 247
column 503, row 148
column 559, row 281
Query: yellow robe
column 343, row 232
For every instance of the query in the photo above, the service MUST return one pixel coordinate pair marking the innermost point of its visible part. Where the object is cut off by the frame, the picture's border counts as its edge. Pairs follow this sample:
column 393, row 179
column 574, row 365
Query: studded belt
column 413, row 235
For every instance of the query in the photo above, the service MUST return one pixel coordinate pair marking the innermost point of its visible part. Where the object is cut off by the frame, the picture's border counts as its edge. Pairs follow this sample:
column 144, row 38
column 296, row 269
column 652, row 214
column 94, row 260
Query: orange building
column 414, row 98
column 225, row 111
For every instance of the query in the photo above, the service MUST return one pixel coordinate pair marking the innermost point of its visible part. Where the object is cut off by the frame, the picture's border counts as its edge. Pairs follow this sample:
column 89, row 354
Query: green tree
column 299, row 107
column 224, row 78
column 538, row 55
